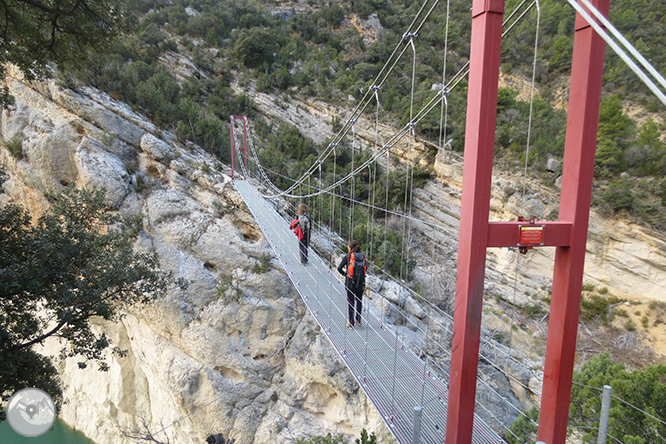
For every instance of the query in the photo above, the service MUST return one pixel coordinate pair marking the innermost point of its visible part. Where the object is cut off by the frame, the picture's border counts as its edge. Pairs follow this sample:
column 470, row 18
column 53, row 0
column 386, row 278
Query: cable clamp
column 352, row 121
column 409, row 35
column 375, row 87
column 411, row 124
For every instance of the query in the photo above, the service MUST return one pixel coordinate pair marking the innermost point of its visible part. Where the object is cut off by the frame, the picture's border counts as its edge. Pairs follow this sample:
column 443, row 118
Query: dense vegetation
column 639, row 399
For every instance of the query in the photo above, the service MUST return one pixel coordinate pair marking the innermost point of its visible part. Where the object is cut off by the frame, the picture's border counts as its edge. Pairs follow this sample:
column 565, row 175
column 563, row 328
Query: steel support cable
column 632, row 50
column 513, row 302
column 386, row 217
column 341, row 211
column 485, row 341
column 370, row 220
column 590, row 428
column 462, row 73
column 616, row 439
column 365, row 100
column 503, row 398
column 394, row 140
column 363, row 103
column 353, row 186
column 396, row 137
column 527, row 151
column 395, row 361
column 619, row 51
column 410, row 165
column 425, row 353
column 374, row 177
column 442, row 120
column 300, row 286
column 254, row 157
column 333, row 203
column 398, row 383
column 621, row 400
column 358, row 110
column 640, row 410
column 529, row 122
column 366, row 330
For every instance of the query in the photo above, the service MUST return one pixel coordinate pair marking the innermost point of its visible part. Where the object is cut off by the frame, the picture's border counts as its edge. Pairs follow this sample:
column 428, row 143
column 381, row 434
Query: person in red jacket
column 301, row 227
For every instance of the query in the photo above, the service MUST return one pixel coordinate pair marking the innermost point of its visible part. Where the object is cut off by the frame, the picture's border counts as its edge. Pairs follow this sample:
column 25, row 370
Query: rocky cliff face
column 236, row 353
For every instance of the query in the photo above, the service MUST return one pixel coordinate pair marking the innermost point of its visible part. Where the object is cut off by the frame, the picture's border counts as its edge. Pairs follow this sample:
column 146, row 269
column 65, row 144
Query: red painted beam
column 578, row 170
column 507, row 234
column 477, row 175
column 231, row 145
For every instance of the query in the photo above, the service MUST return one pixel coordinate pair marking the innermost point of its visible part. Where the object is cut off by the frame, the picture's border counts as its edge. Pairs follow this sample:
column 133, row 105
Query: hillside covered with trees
column 317, row 53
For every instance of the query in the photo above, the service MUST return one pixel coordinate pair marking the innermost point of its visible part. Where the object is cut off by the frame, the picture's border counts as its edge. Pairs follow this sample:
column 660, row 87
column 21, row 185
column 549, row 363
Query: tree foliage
column 330, row 439
column 35, row 33
column 632, row 421
column 74, row 263
column 637, row 411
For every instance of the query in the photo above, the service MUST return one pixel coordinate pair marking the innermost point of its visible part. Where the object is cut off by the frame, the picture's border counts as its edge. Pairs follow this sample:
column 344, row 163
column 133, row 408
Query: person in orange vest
column 353, row 267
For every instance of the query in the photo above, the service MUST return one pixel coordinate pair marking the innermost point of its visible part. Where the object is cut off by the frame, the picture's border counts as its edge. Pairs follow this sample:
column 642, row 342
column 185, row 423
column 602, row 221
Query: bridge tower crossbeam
column 568, row 235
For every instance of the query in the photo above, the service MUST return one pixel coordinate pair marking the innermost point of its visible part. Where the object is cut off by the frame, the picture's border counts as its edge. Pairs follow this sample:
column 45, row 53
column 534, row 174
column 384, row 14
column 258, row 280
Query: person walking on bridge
column 301, row 227
column 353, row 267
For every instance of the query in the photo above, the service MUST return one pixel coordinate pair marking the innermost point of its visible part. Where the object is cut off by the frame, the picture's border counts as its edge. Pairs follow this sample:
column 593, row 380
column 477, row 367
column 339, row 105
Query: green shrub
column 14, row 146
column 533, row 310
column 596, row 307
column 524, row 428
column 263, row 265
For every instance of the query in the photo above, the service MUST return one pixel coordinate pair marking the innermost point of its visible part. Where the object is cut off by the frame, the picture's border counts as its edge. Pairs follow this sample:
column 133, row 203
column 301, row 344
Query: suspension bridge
column 419, row 403
column 410, row 397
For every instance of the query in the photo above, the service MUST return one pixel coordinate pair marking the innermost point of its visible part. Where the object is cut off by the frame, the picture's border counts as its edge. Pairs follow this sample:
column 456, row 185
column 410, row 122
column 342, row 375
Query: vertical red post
column 485, row 52
column 231, row 146
column 245, row 144
column 578, row 170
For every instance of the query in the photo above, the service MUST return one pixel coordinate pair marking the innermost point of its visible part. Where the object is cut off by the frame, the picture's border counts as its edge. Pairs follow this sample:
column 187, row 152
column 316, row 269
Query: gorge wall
column 236, row 351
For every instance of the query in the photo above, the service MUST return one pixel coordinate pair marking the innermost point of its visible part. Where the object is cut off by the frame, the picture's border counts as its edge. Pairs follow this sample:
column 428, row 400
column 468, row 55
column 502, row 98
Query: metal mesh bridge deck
column 395, row 380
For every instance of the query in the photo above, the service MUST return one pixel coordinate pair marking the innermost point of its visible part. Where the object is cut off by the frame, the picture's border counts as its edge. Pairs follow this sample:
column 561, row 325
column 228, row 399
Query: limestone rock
column 226, row 354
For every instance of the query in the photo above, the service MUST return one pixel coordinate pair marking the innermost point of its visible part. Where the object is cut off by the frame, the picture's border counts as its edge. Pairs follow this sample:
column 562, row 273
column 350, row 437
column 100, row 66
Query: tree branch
column 38, row 339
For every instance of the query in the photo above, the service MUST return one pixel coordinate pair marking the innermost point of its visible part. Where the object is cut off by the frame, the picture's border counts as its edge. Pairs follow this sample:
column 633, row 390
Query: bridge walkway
column 395, row 380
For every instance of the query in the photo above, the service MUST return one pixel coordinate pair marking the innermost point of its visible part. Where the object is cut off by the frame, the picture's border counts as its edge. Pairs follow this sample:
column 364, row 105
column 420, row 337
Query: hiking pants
column 354, row 304
column 303, row 247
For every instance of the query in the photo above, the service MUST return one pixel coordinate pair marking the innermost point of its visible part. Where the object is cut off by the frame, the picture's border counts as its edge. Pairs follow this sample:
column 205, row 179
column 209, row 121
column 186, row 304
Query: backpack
column 356, row 269
column 304, row 222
